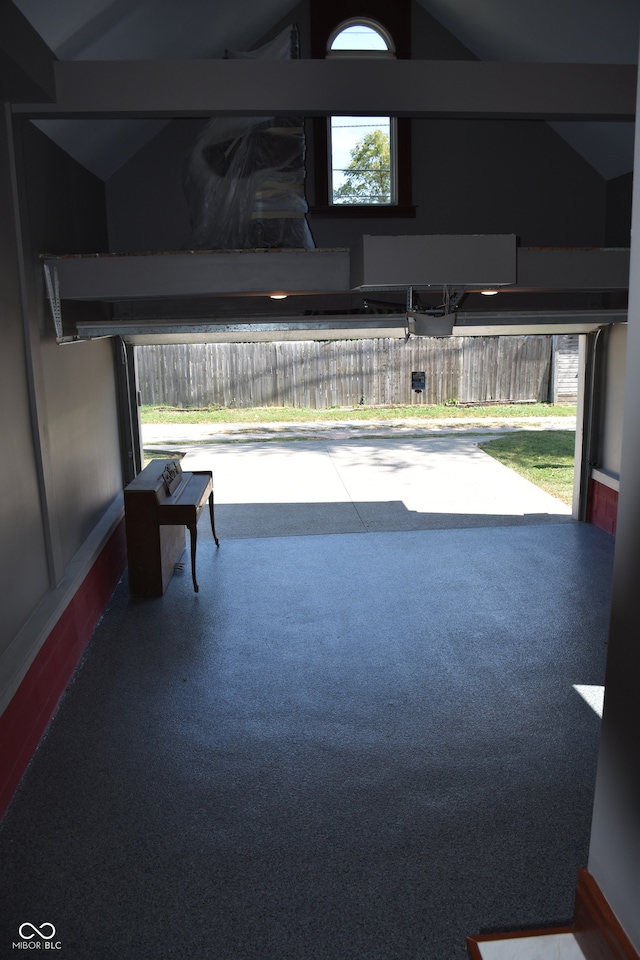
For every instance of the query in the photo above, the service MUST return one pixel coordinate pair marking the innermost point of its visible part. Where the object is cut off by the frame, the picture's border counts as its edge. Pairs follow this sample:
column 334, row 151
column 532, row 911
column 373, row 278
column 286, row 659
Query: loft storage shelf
column 485, row 261
column 195, row 273
column 226, row 286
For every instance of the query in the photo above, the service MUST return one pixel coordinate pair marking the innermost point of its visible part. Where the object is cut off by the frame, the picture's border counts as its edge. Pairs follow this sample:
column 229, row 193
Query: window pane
column 361, row 169
column 359, row 37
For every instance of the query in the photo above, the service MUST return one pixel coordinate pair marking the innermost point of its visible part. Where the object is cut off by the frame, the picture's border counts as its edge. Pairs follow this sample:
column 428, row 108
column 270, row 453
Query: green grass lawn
column 545, row 457
column 300, row 415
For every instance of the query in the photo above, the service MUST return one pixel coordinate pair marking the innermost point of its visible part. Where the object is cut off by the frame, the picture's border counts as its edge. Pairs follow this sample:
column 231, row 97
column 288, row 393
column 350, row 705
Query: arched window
column 362, row 151
column 358, row 37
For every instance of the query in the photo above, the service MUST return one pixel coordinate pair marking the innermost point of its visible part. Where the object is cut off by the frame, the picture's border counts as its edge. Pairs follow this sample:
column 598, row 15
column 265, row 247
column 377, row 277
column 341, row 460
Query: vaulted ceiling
column 529, row 30
column 526, row 31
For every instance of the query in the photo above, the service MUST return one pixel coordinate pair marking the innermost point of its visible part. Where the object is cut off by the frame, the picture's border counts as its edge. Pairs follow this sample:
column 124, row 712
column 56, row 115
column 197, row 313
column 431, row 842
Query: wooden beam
column 402, row 88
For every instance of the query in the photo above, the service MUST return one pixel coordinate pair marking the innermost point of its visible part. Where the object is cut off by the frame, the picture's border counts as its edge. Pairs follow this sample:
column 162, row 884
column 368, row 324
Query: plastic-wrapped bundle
column 245, row 176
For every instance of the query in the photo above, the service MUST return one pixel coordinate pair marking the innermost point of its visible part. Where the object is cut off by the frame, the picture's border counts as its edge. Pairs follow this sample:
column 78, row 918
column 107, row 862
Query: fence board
column 343, row 373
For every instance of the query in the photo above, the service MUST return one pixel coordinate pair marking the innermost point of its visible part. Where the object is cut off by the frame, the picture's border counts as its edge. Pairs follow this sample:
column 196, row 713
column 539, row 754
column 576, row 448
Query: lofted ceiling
column 555, row 31
column 528, row 30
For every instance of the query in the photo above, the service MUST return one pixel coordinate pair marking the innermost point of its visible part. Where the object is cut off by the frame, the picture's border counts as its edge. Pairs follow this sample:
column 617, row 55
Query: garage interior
column 222, row 774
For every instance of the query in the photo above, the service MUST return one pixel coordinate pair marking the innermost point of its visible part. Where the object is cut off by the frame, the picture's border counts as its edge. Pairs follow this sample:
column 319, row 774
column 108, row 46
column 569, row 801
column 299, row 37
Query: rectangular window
column 362, row 165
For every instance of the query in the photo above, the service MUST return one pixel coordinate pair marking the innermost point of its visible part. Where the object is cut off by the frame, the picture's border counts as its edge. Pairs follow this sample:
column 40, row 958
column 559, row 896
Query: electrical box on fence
column 418, row 381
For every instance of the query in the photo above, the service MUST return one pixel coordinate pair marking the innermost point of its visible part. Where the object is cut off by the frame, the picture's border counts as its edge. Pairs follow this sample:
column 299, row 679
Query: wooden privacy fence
column 343, row 373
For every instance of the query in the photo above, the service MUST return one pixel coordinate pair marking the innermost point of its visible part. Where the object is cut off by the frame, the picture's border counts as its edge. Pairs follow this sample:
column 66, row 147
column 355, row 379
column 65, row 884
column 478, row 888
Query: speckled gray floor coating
column 345, row 747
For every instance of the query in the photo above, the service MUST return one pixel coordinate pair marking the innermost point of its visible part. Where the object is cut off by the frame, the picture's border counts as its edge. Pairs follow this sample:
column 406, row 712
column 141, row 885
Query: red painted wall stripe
column 602, row 506
column 26, row 718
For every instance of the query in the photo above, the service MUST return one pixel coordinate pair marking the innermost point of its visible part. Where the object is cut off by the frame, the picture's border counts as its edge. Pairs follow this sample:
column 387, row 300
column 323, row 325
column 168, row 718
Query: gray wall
column 506, row 176
column 58, row 402
column 23, row 566
column 614, row 855
column 618, row 223
column 66, row 213
column 147, row 208
column 499, row 176
column 83, row 436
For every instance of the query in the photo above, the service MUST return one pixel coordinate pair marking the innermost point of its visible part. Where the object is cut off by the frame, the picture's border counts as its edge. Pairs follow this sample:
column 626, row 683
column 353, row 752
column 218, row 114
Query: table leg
column 193, row 534
column 213, row 526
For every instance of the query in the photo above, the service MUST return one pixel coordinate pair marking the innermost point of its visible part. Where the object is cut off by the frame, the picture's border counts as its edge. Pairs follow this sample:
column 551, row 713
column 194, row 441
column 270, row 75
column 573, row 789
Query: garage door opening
column 355, row 475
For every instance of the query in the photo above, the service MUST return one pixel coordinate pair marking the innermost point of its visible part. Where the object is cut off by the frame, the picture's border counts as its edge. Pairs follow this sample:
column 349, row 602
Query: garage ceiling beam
column 402, row 88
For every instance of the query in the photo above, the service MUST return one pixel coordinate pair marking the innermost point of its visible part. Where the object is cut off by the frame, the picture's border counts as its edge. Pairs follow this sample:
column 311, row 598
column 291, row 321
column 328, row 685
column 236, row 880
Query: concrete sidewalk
column 358, row 484
column 170, row 433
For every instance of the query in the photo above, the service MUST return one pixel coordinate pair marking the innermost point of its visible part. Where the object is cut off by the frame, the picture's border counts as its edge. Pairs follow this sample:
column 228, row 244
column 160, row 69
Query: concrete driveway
column 350, row 482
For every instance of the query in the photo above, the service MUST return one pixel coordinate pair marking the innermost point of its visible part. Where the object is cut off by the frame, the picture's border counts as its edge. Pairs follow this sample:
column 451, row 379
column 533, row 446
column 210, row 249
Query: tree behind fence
column 343, row 373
